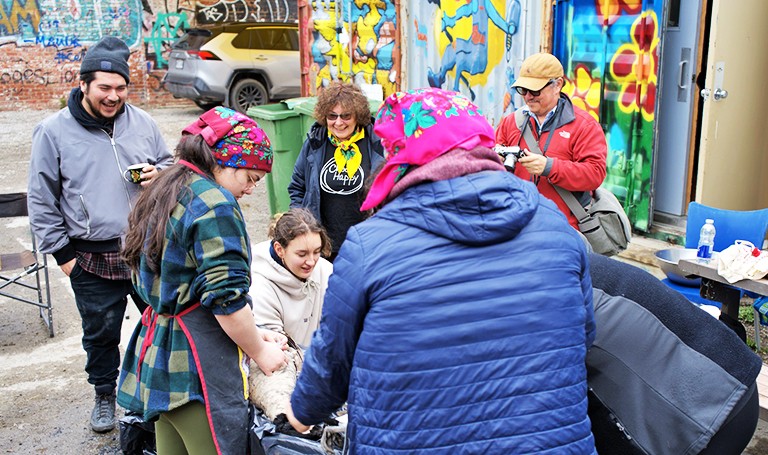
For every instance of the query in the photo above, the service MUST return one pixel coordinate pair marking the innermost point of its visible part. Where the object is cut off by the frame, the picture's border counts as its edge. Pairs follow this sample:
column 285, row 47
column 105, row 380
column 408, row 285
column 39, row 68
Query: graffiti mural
column 217, row 11
column 473, row 47
column 164, row 22
column 68, row 24
column 166, row 28
column 42, row 43
column 356, row 40
column 610, row 51
column 17, row 16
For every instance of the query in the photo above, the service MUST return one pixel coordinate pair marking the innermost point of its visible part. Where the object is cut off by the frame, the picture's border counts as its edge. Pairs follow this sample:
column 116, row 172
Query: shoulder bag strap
column 533, row 146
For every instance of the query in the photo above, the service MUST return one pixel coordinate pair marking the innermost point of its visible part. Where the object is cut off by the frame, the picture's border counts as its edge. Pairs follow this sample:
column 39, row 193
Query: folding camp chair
column 24, row 274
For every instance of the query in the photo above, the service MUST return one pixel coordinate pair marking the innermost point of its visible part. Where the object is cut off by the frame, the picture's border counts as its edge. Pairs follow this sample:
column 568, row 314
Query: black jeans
column 102, row 303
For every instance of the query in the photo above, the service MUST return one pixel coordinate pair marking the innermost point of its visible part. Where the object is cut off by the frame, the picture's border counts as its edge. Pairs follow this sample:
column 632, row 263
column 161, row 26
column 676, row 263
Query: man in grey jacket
column 79, row 197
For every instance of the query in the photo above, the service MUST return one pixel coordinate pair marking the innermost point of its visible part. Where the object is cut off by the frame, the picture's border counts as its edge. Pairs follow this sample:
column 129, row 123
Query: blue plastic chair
column 731, row 225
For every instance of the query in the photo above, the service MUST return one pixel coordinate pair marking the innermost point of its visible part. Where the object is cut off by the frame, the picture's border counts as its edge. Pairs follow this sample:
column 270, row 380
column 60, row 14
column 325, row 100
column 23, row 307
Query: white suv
column 236, row 65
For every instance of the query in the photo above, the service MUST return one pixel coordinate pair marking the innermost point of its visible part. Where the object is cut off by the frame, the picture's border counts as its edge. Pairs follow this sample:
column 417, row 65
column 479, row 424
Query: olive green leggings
column 184, row 431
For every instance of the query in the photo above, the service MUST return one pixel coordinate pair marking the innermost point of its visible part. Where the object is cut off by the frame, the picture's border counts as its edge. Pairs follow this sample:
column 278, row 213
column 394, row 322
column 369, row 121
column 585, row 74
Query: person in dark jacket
column 335, row 161
column 696, row 395
column 458, row 316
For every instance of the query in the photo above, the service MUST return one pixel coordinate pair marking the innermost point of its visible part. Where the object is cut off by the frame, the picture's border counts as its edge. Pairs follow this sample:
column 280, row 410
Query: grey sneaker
column 103, row 414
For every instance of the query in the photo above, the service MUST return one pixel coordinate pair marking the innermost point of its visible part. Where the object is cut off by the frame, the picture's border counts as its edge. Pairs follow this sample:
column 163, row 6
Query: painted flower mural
column 611, row 52
column 612, row 10
column 635, row 66
column 584, row 90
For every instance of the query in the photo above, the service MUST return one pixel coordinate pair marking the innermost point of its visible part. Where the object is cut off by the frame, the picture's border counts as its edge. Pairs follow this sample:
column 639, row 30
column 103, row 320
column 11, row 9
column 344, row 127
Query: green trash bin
column 374, row 105
column 306, row 110
column 282, row 126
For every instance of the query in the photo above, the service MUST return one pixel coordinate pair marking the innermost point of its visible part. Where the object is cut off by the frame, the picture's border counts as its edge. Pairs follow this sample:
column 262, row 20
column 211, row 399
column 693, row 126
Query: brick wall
column 29, row 80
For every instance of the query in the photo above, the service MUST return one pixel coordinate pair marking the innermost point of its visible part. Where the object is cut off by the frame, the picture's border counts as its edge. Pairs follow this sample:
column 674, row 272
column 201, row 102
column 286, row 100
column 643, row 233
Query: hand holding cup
column 140, row 173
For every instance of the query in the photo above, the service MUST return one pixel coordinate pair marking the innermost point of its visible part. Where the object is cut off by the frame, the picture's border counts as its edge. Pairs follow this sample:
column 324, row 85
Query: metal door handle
column 705, row 92
column 681, row 79
column 720, row 94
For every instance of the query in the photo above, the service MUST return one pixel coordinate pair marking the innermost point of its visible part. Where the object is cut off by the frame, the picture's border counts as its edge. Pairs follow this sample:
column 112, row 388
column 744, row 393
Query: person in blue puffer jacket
column 458, row 317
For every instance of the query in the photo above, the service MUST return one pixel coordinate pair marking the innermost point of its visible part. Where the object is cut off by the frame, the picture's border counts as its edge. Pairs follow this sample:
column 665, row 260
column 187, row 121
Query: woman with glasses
column 338, row 156
column 190, row 256
column 571, row 149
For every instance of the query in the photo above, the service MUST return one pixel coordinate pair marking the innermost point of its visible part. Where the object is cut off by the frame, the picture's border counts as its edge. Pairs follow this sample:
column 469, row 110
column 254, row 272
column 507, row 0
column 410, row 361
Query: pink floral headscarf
column 417, row 126
column 235, row 139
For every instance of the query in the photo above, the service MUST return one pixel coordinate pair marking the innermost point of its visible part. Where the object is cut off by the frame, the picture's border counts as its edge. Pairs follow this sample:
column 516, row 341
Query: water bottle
column 706, row 239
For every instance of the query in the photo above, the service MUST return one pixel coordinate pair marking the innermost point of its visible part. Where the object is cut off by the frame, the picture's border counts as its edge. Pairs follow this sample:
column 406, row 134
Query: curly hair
column 294, row 223
column 351, row 99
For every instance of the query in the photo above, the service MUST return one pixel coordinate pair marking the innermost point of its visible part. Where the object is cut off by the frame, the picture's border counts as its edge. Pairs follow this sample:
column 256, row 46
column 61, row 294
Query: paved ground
column 45, row 401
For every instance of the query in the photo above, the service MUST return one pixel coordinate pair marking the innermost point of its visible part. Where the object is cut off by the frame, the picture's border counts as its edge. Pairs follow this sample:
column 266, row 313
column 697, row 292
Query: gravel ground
column 45, row 401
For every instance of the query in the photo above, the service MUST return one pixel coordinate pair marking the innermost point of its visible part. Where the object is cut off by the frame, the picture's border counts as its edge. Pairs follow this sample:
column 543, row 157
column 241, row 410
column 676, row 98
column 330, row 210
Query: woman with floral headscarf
column 458, row 317
column 186, row 364
column 335, row 161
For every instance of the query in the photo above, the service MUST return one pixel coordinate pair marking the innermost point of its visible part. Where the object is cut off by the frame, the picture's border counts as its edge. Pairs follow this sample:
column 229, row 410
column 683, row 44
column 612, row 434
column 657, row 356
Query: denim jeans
column 102, row 304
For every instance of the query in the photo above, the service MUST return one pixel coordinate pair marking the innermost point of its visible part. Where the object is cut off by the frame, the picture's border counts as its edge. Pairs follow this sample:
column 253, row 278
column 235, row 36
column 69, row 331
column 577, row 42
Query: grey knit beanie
column 110, row 54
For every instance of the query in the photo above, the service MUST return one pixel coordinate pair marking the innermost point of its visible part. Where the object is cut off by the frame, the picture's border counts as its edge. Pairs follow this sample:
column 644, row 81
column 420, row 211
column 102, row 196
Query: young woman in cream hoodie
column 290, row 276
column 289, row 282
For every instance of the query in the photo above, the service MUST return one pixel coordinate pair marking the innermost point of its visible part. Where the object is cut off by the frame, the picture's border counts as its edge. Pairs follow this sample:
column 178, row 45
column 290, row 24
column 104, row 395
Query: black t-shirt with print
column 340, row 195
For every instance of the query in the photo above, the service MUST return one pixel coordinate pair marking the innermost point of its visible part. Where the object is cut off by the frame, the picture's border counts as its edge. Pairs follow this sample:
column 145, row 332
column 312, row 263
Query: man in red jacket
column 572, row 143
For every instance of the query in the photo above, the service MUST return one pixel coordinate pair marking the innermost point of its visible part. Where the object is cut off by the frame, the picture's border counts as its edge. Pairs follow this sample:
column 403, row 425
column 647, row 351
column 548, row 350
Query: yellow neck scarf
column 347, row 154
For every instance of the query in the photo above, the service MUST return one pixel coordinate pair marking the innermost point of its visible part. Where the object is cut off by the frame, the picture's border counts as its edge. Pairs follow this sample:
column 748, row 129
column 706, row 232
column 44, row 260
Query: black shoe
column 103, row 414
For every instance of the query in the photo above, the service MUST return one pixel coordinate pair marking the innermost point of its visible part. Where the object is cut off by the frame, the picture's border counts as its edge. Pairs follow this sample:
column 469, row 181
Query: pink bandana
column 235, row 139
column 417, row 126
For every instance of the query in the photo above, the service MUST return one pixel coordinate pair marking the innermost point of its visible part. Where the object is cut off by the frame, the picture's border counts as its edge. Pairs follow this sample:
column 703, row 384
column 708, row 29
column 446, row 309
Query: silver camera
column 509, row 155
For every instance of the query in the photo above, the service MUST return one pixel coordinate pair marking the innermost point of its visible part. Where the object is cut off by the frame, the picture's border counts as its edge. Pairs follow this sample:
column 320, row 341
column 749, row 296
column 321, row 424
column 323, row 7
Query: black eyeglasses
column 524, row 91
column 333, row 116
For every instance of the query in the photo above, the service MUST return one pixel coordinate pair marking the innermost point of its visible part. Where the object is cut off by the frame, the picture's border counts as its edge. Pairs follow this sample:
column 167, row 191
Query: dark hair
column 148, row 220
column 295, row 222
column 88, row 77
column 349, row 96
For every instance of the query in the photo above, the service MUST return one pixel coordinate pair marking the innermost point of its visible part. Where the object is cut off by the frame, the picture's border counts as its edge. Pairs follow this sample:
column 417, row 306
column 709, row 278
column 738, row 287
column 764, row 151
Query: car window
column 246, row 39
column 278, row 39
column 294, row 35
column 192, row 39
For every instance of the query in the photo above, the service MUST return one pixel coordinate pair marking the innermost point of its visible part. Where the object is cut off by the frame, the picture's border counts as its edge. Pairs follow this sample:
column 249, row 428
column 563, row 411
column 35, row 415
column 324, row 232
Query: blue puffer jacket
column 457, row 321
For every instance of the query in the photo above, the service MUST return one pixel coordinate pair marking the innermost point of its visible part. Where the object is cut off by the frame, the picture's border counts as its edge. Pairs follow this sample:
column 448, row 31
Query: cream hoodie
column 283, row 302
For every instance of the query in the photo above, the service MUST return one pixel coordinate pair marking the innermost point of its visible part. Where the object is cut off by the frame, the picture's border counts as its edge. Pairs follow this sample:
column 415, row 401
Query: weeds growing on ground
column 747, row 318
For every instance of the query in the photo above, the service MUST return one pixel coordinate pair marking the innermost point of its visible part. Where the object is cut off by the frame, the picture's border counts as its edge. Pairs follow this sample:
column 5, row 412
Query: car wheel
column 247, row 93
column 206, row 105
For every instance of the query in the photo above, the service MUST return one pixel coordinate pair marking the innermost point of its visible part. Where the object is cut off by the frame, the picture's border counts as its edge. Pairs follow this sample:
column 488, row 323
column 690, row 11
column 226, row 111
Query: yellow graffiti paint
column 27, row 12
column 492, row 42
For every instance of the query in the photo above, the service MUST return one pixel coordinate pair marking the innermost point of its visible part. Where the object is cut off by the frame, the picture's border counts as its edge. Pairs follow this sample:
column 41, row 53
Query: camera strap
column 533, row 146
